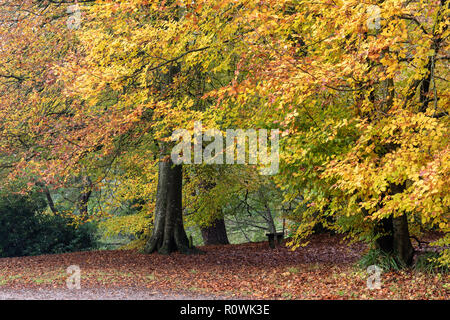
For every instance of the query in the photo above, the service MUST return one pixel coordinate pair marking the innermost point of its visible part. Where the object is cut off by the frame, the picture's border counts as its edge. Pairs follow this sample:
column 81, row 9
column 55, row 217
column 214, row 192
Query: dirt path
column 97, row 294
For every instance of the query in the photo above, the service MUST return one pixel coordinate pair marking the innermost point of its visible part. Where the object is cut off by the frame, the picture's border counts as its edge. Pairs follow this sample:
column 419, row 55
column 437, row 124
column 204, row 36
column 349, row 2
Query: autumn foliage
column 359, row 91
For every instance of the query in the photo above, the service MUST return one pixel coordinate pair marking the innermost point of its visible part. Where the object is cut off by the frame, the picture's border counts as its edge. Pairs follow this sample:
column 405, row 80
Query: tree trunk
column 83, row 199
column 268, row 214
column 395, row 233
column 48, row 195
column 395, row 238
column 402, row 243
column 216, row 233
column 168, row 232
column 385, row 228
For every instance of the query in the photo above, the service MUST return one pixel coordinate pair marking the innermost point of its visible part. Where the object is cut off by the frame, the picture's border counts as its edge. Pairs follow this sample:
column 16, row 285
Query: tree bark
column 46, row 191
column 267, row 214
column 402, row 243
column 395, row 234
column 385, row 228
column 395, row 238
column 83, row 199
column 216, row 233
column 168, row 232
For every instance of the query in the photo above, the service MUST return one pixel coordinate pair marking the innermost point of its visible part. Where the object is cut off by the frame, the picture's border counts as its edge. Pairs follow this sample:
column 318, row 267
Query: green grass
column 43, row 280
column 341, row 292
column 286, row 295
column 3, row 281
column 293, row 270
column 427, row 262
column 383, row 260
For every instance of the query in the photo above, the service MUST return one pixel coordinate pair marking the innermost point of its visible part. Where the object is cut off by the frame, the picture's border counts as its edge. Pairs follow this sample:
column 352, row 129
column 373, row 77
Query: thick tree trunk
column 216, row 233
column 385, row 229
column 395, row 234
column 395, row 239
column 168, row 233
column 402, row 246
column 402, row 243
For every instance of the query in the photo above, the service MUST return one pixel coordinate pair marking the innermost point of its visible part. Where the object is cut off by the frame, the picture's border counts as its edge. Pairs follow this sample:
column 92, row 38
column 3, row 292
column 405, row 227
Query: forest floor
column 325, row 269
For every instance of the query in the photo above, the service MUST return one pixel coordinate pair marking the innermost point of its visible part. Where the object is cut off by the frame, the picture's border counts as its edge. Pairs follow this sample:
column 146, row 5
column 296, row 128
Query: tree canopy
column 358, row 90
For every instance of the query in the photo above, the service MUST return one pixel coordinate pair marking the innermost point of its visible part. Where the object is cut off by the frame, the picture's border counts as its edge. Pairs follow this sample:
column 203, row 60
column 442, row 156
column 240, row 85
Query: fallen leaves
column 322, row 270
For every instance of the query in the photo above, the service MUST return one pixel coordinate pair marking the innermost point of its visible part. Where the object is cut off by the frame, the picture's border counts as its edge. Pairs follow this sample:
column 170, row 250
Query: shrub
column 428, row 262
column 26, row 230
column 381, row 259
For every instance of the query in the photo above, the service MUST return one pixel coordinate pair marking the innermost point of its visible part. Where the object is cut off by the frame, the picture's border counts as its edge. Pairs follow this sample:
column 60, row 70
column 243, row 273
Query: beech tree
column 358, row 90
column 146, row 63
column 362, row 101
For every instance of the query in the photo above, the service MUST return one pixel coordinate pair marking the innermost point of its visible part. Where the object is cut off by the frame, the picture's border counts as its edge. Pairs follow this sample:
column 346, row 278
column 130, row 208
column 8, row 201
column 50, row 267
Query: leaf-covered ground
column 325, row 269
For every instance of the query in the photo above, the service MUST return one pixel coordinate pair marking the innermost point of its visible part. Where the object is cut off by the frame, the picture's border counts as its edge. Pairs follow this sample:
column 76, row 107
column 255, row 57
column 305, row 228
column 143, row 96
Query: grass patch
column 286, row 295
column 428, row 263
column 293, row 270
column 3, row 281
column 383, row 260
column 43, row 280
column 341, row 293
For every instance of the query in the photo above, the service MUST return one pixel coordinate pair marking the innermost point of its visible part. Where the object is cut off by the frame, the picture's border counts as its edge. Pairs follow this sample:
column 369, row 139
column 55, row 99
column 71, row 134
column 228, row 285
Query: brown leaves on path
column 322, row 270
